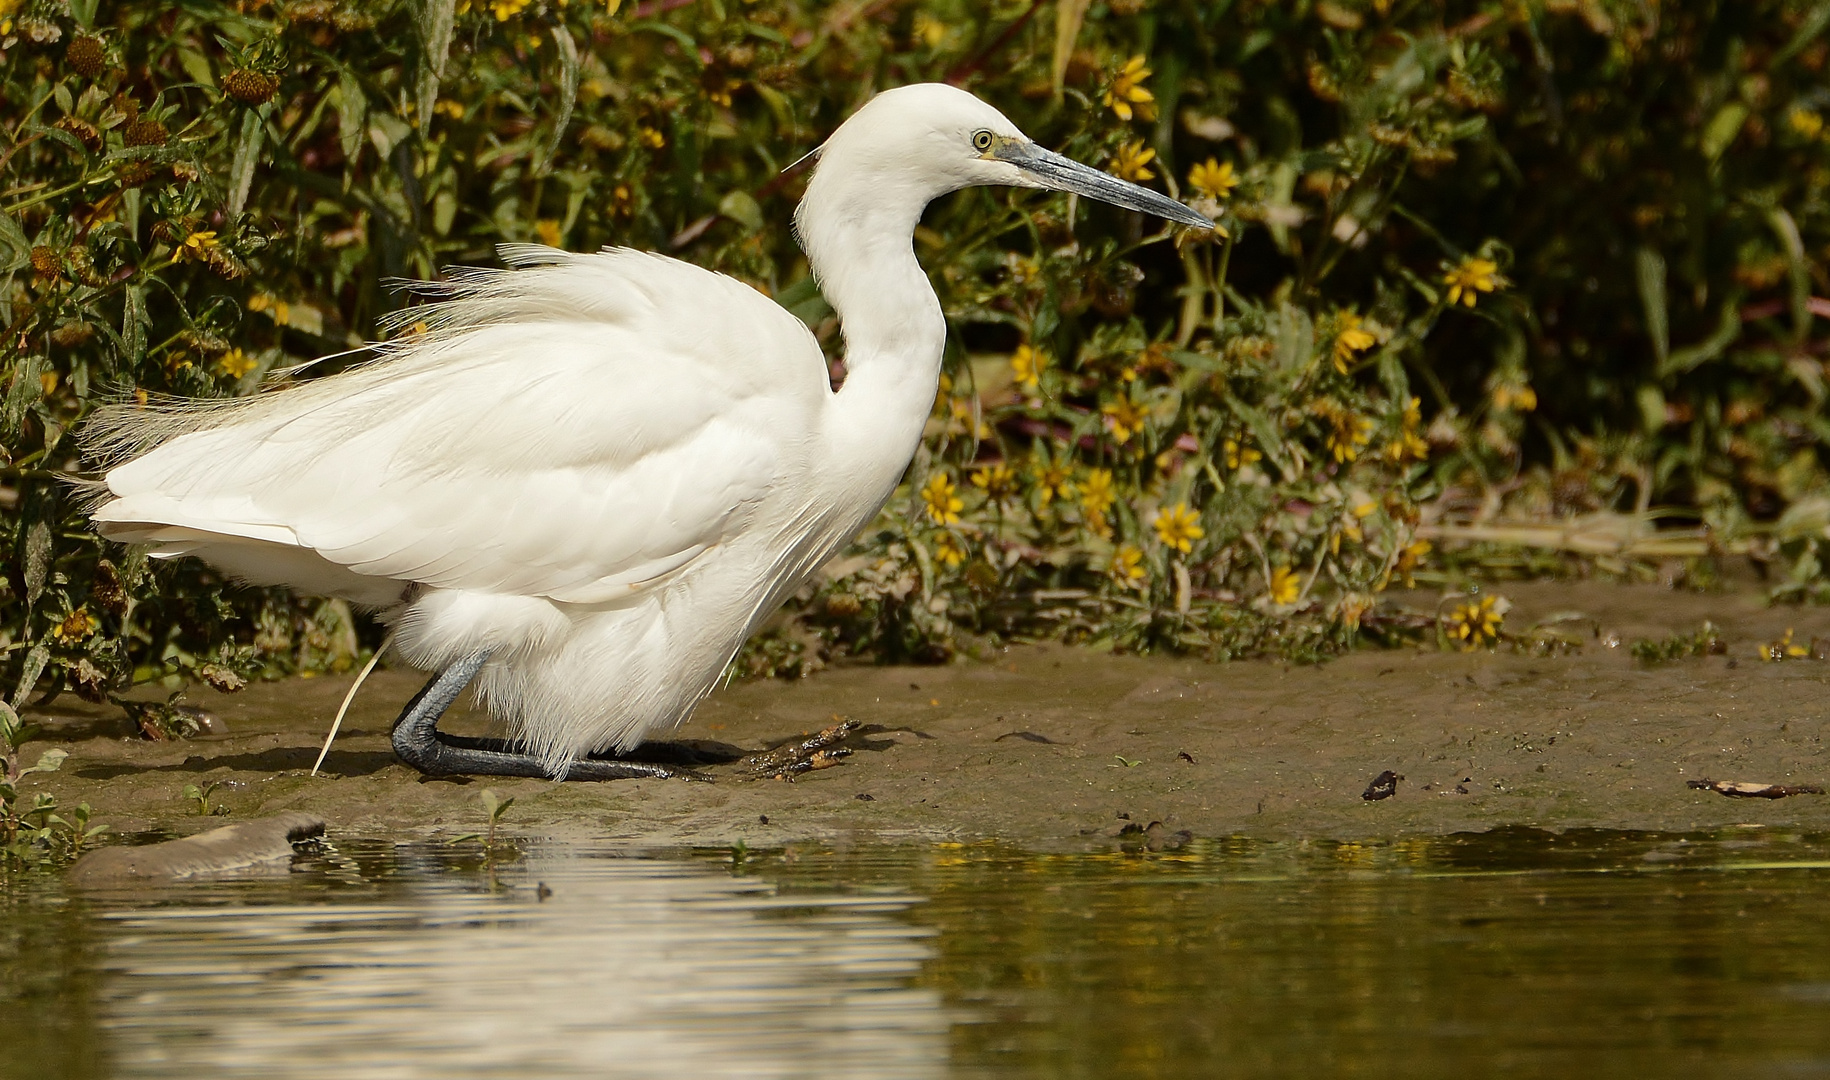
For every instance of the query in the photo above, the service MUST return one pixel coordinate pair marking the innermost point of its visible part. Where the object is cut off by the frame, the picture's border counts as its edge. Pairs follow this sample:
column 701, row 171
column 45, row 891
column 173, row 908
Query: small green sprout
column 494, row 807
column 201, row 796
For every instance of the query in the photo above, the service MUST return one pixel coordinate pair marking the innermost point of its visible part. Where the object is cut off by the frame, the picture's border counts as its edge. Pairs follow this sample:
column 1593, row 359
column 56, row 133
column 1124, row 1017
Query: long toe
column 820, row 751
column 612, row 769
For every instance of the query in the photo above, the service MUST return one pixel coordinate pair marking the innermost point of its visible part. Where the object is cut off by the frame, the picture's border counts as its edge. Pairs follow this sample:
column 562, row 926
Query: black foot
column 822, row 751
column 420, row 744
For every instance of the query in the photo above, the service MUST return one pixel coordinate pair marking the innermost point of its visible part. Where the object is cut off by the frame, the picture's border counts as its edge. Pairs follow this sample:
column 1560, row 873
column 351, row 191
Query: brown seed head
column 250, row 87
column 86, row 133
column 145, row 132
column 107, row 589
column 71, row 335
column 136, row 173
column 45, row 262
column 86, row 56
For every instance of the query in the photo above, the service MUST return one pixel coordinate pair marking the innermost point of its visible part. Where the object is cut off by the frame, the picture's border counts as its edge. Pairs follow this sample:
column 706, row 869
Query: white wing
column 578, row 430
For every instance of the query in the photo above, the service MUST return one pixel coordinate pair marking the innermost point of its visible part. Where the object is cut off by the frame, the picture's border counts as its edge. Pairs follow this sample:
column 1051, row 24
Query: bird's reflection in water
column 629, row 968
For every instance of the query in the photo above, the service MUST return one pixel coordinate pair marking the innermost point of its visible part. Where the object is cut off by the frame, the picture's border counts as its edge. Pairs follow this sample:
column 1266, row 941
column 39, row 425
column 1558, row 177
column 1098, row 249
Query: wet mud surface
column 1060, row 748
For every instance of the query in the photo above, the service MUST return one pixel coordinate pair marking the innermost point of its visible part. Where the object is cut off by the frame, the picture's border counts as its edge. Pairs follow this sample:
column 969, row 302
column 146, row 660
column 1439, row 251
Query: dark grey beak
column 1057, row 173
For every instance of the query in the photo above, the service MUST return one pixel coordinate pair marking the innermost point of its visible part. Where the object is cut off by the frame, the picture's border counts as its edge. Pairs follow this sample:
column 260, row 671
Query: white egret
column 594, row 475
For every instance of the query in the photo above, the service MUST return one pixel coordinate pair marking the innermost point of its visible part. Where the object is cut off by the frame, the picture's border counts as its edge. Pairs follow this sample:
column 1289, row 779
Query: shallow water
column 1517, row 951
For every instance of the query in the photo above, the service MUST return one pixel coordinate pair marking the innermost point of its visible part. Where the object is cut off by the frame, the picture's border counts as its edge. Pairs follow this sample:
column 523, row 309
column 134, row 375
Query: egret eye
column 981, row 140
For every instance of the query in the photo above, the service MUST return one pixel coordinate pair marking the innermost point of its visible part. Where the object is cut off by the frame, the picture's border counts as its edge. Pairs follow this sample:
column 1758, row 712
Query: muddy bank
column 1048, row 746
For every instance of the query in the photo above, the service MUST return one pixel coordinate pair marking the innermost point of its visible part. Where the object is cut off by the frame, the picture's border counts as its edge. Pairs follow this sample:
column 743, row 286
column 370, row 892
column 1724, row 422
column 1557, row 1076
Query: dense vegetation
column 1510, row 284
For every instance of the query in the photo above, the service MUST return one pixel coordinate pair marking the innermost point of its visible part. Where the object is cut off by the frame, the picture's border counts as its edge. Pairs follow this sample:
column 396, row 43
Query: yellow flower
column 547, row 229
column 622, row 200
column 1478, row 622
column 996, row 481
column 507, row 9
column 943, row 505
column 1519, row 398
column 1350, row 524
column 1805, row 122
column 448, row 107
column 1097, row 497
column 48, row 383
column 1029, row 363
column 1347, row 431
column 1128, row 90
column 650, row 137
column 1178, row 527
column 1214, row 179
column 77, row 625
column 1408, row 445
column 929, row 30
column 280, row 310
column 1054, row 481
column 1409, row 559
column 1285, row 585
column 1129, row 160
column 949, row 549
column 236, row 364
column 1096, row 494
column 1350, row 337
column 1240, row 454
column 198, row 245
column 1471, row 277
column 1124, row 417
column 1128, row 566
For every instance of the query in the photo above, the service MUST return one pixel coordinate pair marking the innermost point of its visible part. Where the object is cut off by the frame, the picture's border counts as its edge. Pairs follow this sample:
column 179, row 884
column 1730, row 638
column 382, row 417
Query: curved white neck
column 859, row 239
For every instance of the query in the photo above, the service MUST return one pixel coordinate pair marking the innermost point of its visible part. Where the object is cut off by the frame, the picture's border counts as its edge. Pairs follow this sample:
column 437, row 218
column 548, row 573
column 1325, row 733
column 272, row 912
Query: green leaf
column 247, row 154
column 59, row 135
column 196, row 65
column 1651, row 401
column 740, row 206
column 23, row 394
column 434, row 22
column 352, row 115
column 653, row 26
column 15, row 249
column 1649, row 271
column 37, row 561
column 568, row 97
column 1722, row 129
column 1726, row 333
column 133, row 326
column 387, row 131
column 35, row 662
column 1807, row 32
column 49, row 761
column 1798, row 270
column 804, row 302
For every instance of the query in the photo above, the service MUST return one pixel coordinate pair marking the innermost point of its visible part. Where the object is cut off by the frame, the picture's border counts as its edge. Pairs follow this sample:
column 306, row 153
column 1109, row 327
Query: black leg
column 420, row 744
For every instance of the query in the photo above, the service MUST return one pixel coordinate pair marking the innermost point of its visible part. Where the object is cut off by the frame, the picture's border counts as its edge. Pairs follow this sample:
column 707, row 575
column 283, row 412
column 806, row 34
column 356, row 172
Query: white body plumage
column 606, row 468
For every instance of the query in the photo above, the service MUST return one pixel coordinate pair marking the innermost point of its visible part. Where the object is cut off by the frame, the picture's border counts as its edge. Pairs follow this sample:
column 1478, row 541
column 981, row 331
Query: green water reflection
column 1516, row 952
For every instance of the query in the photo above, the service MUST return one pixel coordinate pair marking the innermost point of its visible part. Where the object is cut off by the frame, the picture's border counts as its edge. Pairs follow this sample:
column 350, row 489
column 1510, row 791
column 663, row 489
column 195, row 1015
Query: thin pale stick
column 349, row 697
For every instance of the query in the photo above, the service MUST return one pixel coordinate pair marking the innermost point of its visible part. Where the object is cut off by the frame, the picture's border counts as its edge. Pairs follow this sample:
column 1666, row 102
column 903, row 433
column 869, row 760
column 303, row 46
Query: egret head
column 913, row 144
